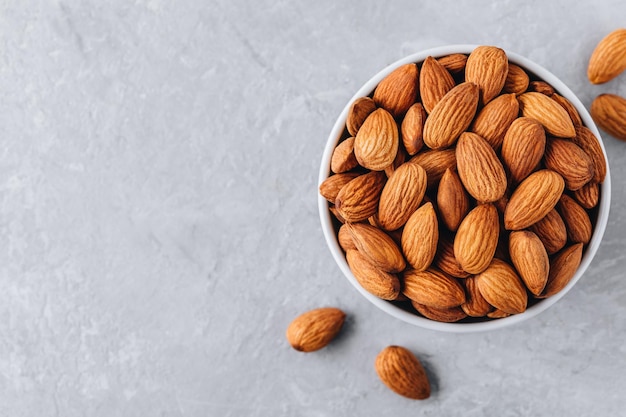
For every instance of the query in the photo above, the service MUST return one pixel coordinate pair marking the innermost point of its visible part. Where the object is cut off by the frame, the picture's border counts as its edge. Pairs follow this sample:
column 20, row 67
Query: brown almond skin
column 382, row 284
column 358, row 199
column 412, row 129
column 533, row 199
column 493, row 121
column 451, row 116
column 563, row 267
column 569, row 160
column 502, row 287
column 452, row 200
column 516, row 80
column 343, row 158
column 455, row 63
column 446, row 261
column 576, row 219
column 530, row 259
column 402, row 372
column 608, row 59
column 588, row 195
column 377, row 246
column 609, row 113
column 401, row 196
column 590, row 144
column 477, row 238
column 487, row 67
column 433, row 288
column 330, row 187
column 475, row 305
column 398, row 90
column 444, row 315
column 315, row 329
column 420, row 237
column 548, row 112
column 435, row 82
column 569, row 108
column 376, row 143
column 551, row 231
column 435, row 163
column 523, row 147
column 345, row 239
column 360, row 109
column 541, row 87
column 480, row 170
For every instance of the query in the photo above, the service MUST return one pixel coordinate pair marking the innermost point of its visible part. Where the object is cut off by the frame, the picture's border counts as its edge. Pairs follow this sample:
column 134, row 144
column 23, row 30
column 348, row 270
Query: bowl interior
column 328, row 227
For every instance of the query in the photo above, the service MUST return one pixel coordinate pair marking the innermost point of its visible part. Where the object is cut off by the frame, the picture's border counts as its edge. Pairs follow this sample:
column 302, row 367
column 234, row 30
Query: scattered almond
column 402, row 372
column 609, row 113
column 608, row 59
column 315, row 329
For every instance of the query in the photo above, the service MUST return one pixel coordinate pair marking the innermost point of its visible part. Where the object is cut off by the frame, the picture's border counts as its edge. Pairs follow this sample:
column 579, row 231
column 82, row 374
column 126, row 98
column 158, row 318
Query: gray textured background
column 159, row 225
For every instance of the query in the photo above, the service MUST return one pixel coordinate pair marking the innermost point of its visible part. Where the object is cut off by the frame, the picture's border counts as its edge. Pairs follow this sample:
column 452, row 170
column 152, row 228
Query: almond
column 398, row 90
column 523, row 147
column 589, row 143
column 455, row 63
column 479, row 168
column 541, row 87
column 608, row 59
column 576, row 219
column 549, row 113
column 343, row 158
column 588, row 196
column 451, row 116
column 516, row 80
column 475, row 305
column 444, row 315
column 315, row 329
column 562, row 269
column 344, row 238
column 551, row 231
column 530, row 259
column 400, row 159
column 533, row 199
column 433, row 288
column 358, row 199
column 498, row 314
column 502, row 287
column 376, row 142
column 452, row 200
column 335, row 213
column 569, row 108
column 420, row 237
column 493, row 121
column 330, row 187
column 609, row 113
column 487, row 67
column 412, row 129
column 477, row 238
column 401, row 196
column 569, row 160
column 445, row 259
column 382, row 284
column 377, row 246
column 402, row 372
column 435, row 81
column 435, row 163
column 360, row 109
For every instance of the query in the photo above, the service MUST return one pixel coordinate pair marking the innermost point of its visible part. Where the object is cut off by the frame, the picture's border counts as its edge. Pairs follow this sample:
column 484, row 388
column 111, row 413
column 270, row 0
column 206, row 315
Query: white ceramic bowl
column 412, row 318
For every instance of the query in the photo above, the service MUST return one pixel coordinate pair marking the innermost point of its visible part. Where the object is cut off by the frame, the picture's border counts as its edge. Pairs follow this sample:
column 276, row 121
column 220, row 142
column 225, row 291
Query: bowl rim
column 414, row 319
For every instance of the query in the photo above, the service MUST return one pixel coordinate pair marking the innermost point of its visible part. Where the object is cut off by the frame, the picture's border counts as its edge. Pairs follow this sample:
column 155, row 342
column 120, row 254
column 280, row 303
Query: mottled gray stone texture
column 159, row 226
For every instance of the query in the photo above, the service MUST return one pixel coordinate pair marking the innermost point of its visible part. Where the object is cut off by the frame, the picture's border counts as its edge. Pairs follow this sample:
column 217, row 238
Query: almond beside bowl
column 475, row 209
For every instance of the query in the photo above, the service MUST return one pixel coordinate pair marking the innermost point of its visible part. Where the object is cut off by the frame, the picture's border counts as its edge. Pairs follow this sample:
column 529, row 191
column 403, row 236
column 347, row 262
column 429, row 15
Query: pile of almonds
column 464, row 188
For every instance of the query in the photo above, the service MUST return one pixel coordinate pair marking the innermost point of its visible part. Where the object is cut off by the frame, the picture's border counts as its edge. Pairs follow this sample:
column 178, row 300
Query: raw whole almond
column 551, row 231
column 477, row 238
column 498, row 314
column 530, row 259
column 398, row 90
column 541, row 87
column 433, row 288
column 576, row 219
column 523, row 147
column 569, row 108
column 479, row 168
column 608, row 59
column 344, row 238
column 609, row 113
column 445, row 259
column 377, row 246
column 493, row 121
column 533, row 199
column 588, row 196
column 401, row 196
column 435, row 163
column 563, row 267
column 444, row 315
column 358, row 199
column 451, row 116
column 475, row 305
column 315, row 329
column 360, row 109
column 548, row 112
column 435, row 82
column 402, row 372
column 516, row 80
column 376, row 142
column 330, row 187
column 500, row 285
column 420, row 236
column 487, row 67
column 455, row 63
column 452, row 200
column 412, row 129
column 343, row 158
column 589, row 143
column 569, row 160
column 382, row 284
